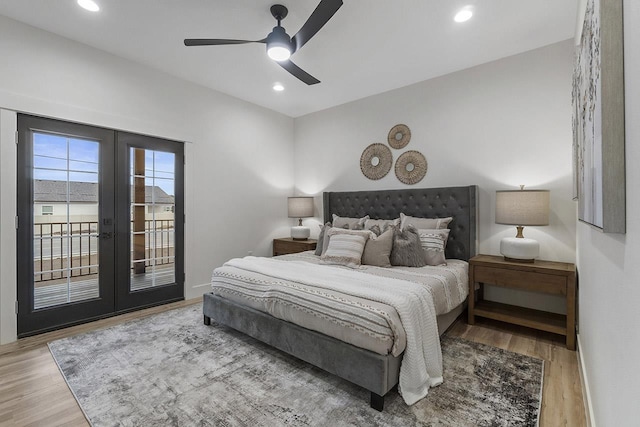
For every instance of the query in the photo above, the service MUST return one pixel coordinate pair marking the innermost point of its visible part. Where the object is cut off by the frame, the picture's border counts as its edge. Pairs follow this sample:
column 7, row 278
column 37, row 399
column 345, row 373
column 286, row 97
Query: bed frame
column 374, row 372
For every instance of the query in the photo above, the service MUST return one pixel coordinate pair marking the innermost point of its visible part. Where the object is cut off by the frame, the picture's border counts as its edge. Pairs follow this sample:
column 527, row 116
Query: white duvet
column 422, row 362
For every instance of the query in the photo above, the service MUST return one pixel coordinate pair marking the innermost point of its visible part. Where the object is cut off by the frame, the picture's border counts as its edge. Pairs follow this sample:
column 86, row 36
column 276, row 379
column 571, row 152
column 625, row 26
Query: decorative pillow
column 349, row 223
column 378, row 251
column 327, row 235
column 344, row 249
column 424, row 223
column 434, row 242
column 375, row 230
column 382, row 223
column 406, row 250
column 323, row 230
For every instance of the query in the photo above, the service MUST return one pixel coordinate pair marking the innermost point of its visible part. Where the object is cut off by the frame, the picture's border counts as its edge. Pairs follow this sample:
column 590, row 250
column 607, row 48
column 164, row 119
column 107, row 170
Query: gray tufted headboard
column 459, row 202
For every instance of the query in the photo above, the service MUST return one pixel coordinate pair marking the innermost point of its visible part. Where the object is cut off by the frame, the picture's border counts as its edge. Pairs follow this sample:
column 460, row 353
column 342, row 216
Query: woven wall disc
column 399, row 136
column 376, row 161
column 411, row 167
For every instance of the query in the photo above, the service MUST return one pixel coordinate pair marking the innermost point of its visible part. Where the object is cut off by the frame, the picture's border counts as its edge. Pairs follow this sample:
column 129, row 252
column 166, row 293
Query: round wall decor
column 411, row 167
column 399, row 136
column 376, row 161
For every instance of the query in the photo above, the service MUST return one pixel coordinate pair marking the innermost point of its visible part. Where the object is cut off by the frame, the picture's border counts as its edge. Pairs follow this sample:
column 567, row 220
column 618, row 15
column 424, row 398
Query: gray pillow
column 323, row 229
column 349, row 223
column 376, row 230
column 406, row 250
column 424, row 223
column 378, row 251
column 382, row 223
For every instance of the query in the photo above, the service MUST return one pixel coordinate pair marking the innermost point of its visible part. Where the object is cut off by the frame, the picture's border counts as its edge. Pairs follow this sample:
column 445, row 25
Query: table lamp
column 521, row 207
column 300, row 207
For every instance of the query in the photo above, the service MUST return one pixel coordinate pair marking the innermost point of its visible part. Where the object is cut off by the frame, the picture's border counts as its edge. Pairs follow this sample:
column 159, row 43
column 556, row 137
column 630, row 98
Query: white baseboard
column 196, row 291
column 586, row 394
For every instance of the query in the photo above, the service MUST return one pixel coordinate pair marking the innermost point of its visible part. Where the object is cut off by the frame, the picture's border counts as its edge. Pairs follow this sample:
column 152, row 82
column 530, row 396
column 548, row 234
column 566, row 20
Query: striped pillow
column 344, row 249
column 434, row 242
column 327, row 236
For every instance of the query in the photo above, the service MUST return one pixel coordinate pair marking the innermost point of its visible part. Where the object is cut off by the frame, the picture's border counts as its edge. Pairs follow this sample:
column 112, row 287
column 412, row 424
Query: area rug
column 170, row 369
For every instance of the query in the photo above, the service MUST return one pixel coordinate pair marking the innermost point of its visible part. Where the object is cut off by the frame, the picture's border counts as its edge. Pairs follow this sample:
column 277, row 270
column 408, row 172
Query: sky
column 58, row 157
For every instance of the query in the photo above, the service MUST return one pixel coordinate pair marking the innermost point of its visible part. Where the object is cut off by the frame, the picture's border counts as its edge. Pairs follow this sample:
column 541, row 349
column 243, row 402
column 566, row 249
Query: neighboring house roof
column 86, row 192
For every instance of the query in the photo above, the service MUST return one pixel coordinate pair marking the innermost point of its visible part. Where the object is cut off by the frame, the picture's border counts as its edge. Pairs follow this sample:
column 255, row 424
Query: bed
column 369, row 369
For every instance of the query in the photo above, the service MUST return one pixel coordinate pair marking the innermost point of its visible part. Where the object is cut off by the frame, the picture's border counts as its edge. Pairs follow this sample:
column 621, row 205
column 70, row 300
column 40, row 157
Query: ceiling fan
column 280, row 46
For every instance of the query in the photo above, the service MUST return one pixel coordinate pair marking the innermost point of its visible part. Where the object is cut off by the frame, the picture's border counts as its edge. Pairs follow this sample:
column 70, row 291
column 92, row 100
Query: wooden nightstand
column 287, row 245
column 558, row 278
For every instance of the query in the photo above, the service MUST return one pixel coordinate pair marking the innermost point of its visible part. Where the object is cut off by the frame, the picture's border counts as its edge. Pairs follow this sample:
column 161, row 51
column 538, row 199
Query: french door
column 100, row 223
column 150, row 218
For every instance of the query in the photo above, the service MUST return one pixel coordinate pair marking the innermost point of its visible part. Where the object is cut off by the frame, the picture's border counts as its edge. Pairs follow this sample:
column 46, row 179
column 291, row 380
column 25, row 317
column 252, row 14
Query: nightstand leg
column 571, row 312
column 472, row 302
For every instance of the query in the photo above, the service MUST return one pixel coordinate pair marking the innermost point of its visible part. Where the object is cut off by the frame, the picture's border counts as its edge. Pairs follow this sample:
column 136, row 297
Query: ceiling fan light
column 464, row 14
column 278, row 53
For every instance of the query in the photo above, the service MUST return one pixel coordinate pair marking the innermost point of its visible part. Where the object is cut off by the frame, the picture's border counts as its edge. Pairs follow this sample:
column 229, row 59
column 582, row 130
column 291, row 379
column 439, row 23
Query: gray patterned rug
column 170, row 369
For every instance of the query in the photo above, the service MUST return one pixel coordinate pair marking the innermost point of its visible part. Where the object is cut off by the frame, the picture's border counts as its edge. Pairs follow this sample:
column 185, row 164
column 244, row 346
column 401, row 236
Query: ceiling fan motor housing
column 279, row 38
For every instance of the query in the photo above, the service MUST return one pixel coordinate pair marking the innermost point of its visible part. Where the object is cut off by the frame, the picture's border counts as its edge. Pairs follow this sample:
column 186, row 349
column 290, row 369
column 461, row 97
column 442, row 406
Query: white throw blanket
column 422, row 362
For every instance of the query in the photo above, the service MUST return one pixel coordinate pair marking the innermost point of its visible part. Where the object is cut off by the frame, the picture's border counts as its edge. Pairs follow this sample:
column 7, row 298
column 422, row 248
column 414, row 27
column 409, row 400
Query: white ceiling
column 368, row 47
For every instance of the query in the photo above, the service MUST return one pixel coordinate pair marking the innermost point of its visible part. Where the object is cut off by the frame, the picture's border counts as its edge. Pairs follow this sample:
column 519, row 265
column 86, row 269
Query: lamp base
column 518, row 249
column 300, row 233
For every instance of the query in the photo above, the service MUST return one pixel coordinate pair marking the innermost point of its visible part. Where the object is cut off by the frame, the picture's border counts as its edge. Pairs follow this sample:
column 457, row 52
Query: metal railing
column 62, row 248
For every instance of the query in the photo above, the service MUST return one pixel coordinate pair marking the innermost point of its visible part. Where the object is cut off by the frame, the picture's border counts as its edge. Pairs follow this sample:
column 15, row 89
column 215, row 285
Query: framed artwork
column 598, row 118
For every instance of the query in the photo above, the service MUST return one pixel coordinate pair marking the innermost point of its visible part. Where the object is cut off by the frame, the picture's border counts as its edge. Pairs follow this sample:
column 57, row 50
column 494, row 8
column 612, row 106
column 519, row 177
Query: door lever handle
column 106, row 235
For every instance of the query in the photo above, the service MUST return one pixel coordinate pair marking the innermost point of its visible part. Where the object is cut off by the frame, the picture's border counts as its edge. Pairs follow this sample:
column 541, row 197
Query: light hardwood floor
column 34, row 393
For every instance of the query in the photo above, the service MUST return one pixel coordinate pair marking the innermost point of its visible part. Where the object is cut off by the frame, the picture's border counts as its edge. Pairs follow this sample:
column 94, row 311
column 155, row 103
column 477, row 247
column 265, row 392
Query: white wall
column 609, row 268
column 496, row 125
column 8, row 260
column 238, row 166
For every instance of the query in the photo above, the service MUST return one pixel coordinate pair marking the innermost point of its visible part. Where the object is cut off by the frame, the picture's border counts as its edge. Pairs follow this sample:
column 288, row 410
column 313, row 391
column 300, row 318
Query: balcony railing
column 72, row 248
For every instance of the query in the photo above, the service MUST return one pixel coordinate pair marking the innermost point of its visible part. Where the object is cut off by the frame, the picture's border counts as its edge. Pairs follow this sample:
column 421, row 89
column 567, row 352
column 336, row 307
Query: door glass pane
column 152, row 179
column 65, row 219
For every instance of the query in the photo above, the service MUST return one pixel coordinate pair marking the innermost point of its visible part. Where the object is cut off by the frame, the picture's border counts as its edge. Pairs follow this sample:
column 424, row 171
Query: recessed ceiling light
column 278, row 87
column 463, row 15
column 89, row 5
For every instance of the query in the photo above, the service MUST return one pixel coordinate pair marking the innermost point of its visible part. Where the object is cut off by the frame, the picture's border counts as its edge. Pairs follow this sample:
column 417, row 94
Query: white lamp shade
column 300, row 207
column 522, row 207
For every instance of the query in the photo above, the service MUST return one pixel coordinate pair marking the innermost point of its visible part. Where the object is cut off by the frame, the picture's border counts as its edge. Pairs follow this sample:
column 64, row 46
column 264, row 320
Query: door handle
column 106, row 235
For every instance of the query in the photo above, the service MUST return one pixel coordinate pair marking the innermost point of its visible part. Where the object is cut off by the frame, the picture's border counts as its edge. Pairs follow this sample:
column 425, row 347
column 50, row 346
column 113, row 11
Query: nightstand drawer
column 530, row 281
column 287, row 245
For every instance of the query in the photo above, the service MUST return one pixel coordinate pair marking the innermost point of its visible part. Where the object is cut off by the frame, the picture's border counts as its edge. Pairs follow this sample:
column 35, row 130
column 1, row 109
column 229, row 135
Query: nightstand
column 556, row 278
column 287, row 245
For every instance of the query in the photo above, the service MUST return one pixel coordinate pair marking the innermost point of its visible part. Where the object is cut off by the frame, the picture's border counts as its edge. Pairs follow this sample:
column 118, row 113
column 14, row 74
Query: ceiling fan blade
column 214, row 42
column 298, row 72
column 325, row 10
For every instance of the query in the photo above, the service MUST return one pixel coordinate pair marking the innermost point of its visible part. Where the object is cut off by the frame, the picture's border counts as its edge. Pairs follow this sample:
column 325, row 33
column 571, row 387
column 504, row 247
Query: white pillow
column 344, row 248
